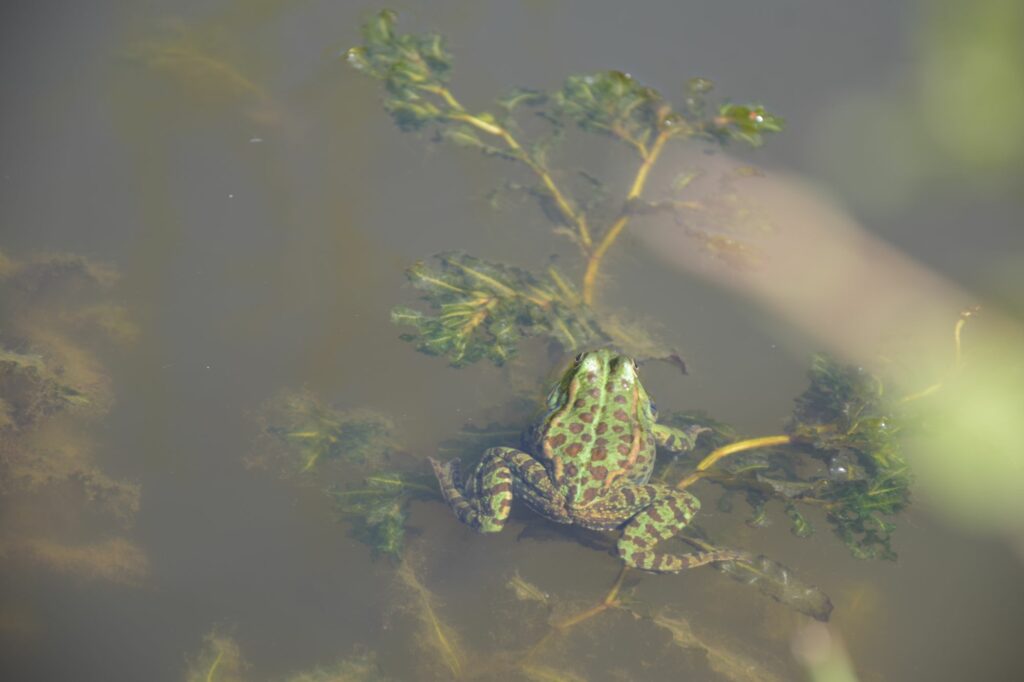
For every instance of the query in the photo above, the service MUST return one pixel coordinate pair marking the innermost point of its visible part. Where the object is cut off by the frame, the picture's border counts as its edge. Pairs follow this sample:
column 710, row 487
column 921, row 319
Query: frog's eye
column 636, row 365
column 579, row 357
column 654, row 409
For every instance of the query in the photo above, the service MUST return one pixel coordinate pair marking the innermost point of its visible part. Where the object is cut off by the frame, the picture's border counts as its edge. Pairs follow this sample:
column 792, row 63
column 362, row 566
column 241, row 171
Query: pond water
column 261, row 209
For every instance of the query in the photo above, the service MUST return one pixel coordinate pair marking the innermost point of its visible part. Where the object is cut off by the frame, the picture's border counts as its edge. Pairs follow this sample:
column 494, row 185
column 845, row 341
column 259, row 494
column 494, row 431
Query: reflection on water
column 214, row 465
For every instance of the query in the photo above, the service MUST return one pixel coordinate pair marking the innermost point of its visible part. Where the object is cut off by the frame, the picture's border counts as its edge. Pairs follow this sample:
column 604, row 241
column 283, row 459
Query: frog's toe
column 446, row 472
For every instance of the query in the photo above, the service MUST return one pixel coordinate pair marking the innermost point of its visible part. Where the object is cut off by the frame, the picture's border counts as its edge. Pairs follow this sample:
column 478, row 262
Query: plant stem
column 730, row 449
column 578, row 220
column 958, row 359
column 610, row 600
column 597, row 255
column 213, row 668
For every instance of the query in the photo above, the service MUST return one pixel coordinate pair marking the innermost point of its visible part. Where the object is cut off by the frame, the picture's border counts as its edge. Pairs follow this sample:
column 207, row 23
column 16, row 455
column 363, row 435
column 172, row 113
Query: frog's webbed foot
column 669, row 512
column 448, row 473
column 485, row 501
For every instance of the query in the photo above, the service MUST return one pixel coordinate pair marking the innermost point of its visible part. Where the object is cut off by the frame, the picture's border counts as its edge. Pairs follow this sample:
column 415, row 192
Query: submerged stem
column 610, row 600
column 597, row 255
column 730, row 449
column 213, row 668
column 459, row 113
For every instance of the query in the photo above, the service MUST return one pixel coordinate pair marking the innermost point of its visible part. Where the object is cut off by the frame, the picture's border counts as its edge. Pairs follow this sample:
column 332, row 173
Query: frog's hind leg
column 667, row 513
column 485, row 500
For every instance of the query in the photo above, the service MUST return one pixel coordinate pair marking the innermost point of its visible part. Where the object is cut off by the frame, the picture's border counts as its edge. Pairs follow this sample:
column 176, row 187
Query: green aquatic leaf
column 485, row 309
column 746, row 123
column 612, row 103
column 844, row 420
column 412, row 67
column 799, row 525
column 377, row 510
column 315, row 433
column 519, row 97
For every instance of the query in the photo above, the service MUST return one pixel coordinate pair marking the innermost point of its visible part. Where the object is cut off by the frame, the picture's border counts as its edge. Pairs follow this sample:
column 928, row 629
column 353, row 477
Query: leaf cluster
column 316, row 433
column 31, row 389
column 614, row 103
column 846, row 422
column 484, row 317
column 744, row 123
column 379, row 508
column 484, row 309
column 409, row 65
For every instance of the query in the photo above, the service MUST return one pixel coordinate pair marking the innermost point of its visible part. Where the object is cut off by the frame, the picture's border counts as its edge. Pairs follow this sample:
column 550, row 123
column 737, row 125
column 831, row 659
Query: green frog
column 589, row 463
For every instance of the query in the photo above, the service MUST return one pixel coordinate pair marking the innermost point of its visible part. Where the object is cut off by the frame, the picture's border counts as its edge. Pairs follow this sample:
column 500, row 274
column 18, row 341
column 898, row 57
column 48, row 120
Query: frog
column 588, row 462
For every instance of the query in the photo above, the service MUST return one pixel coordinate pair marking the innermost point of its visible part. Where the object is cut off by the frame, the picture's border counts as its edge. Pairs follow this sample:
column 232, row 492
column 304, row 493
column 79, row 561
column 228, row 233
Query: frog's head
column 603, row 372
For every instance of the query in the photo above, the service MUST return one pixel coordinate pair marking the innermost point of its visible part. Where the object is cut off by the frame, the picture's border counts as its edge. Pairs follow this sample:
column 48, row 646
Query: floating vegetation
column 486, row 308
column 49, row 381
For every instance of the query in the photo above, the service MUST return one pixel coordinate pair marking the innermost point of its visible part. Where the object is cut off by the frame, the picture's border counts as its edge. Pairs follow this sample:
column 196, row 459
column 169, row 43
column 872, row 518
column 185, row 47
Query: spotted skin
column 593, row 454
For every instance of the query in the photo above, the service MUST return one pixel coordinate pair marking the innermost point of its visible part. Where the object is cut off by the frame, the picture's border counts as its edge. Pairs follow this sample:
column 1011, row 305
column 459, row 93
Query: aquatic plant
column 379, row 508
column 485, row 308
column 846, row 425
column 351, row 455
column 52, row 386
column 220, row 660
column 115, row 560
column 309, row 435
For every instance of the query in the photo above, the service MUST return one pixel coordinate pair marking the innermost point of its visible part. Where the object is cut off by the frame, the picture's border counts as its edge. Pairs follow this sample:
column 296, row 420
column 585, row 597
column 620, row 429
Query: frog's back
column 597, row 432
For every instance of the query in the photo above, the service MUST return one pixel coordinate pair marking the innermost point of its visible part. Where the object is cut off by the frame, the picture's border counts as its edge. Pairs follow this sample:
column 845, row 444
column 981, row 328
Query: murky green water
column 261, row 209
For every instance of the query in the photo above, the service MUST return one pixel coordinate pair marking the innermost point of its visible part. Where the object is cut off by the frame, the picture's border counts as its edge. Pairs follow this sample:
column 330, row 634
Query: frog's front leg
column 676, row 439
column 484, row 502
column 660, row 513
